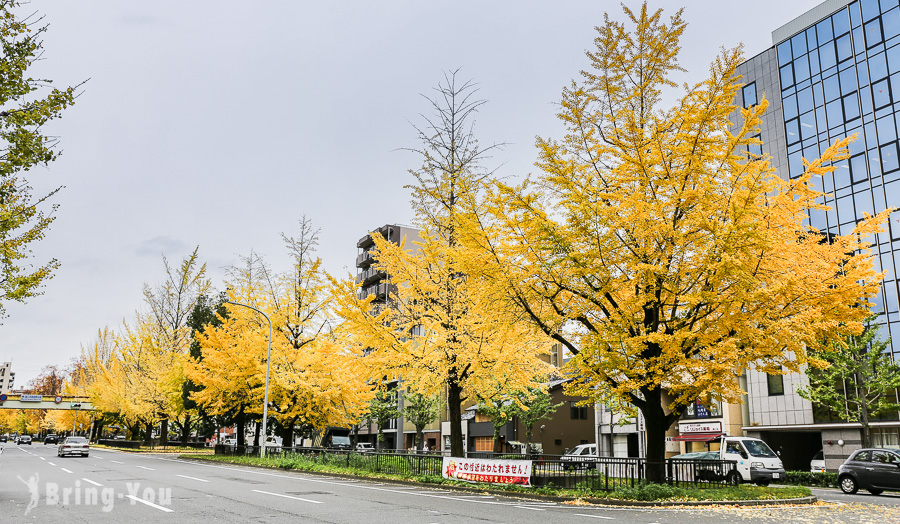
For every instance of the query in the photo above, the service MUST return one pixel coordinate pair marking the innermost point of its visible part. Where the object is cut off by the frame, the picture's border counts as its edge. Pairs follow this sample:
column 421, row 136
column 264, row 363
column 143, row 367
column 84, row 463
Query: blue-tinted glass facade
column 841, row 77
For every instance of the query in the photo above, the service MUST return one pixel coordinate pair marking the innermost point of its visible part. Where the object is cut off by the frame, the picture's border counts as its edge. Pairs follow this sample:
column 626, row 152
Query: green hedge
column 808, row 478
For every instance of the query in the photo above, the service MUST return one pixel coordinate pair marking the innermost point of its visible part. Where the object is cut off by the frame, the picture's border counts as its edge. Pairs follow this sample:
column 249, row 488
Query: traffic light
column 76, row 405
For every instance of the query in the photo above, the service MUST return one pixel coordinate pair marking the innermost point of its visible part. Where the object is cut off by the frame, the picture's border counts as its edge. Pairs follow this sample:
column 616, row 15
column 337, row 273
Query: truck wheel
column 848, row 484
column 733, row 479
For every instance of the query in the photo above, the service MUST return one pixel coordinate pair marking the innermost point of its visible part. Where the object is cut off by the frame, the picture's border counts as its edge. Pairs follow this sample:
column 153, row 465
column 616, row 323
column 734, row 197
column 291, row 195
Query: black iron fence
column 604, row 473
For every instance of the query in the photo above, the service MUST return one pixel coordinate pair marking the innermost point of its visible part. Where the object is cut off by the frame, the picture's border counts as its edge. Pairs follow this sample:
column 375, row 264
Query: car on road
column 584, row 456
column 24, row 439
column 872, row 469
column 365, row 447
column 817, row 464
column 51, row 439
column 4, row 438
column 74, row 446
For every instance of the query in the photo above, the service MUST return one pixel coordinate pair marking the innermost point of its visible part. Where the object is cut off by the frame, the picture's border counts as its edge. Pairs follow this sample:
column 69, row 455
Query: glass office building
column 833, row 76
column 831, row 73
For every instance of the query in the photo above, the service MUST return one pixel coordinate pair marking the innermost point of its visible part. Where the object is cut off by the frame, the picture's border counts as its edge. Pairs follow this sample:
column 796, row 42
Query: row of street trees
column 650, row 243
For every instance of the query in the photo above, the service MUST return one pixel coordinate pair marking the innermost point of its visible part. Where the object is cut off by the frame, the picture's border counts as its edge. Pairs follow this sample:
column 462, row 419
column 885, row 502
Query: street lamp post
column 262, row 447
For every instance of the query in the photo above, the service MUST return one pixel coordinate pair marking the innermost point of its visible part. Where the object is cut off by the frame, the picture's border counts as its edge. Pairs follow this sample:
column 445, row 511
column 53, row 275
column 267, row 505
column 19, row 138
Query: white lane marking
column 89, row 481
column 529, row 507
column 42, row 458
column 145, row 467
column 152, row 505
column 192, row 478
column 286, row 496
column 594, row 516
column 64, row 469
column 116, row 461
column 52, row 464
column 98, row 458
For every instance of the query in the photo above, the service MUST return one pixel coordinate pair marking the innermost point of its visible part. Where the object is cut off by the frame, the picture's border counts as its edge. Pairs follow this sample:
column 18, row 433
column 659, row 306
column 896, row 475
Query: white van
column 756, row 462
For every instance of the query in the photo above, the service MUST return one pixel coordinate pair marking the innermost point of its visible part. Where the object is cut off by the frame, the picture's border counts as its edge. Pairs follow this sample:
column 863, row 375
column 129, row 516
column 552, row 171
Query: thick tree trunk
column 286, row 433
column 497, row 438
column 148, row 433
column 256, row 434
column 241, row 432
column 656, row 423
column 186, row 429
column 164, row 432
column 420, row 438
column 454, row 402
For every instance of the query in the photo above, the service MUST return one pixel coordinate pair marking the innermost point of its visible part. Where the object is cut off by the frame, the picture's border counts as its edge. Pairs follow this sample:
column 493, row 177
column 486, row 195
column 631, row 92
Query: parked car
column 817, row 464
column 365, row 447
column 874, row 470
column 584, row 456
column 51, row 439
column 4, row 438
column 24, row 439
column 229, row 442
column 73, row 446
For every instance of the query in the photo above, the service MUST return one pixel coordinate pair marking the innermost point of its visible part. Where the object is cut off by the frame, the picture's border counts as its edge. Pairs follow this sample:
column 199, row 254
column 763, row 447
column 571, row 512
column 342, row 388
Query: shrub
column 646, row 492
column 808, row 478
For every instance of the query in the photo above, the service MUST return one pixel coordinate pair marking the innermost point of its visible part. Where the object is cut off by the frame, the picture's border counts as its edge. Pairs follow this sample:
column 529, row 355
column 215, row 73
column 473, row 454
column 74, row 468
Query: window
column 889, row 160
column 877, row 67
column 881, row 94
column 784, row 52
column 698, row 409
column 851, row 107
column 578, row 412
column 824, row 32
column 775, row 384
column 792, row 128
column 891, row 23
column 798, row 45
column 827, row 56
column 873, row 33
column 844, row 49
column 805, row 100
column 787, row 76
column 749, row 94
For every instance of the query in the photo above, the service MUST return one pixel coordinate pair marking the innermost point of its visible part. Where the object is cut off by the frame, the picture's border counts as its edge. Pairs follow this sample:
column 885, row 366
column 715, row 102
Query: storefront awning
column 697, row 437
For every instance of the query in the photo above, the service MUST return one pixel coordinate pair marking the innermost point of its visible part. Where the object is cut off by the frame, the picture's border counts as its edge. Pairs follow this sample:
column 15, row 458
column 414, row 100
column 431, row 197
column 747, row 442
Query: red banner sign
column 488, row 470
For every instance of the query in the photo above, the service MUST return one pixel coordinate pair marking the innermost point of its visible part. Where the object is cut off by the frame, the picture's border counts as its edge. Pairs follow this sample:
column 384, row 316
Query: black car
column 4, row 438
column 875, row 470
column 51, row 439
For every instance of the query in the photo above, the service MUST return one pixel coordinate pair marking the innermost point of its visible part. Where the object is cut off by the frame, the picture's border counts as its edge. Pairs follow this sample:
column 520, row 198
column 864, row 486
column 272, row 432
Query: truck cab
column 756, row 462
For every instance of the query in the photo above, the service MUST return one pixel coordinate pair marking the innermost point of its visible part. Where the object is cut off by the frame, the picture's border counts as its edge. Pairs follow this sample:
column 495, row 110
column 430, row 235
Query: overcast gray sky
column 219, row 124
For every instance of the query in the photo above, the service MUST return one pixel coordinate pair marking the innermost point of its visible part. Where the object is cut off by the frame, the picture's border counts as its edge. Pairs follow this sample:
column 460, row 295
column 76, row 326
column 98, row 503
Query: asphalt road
column 111, row 486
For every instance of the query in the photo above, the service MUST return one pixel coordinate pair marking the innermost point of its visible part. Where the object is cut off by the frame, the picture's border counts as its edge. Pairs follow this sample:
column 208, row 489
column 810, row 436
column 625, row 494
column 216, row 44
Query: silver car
column 73, row 446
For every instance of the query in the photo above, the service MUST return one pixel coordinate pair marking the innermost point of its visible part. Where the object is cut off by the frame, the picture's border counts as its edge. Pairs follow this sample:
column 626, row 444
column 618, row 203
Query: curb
column 531, row 496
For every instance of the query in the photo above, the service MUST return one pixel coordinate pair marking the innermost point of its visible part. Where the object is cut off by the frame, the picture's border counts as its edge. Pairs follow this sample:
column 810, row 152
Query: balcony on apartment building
column 369, row 276
column 380, row 290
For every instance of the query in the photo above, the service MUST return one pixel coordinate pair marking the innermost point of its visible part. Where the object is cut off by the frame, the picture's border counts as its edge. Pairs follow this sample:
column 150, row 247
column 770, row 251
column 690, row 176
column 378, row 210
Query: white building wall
column 777, row 410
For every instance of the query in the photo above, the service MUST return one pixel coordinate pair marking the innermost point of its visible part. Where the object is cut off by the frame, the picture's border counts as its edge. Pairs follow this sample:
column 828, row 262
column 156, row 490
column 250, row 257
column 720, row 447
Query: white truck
column 756, row 462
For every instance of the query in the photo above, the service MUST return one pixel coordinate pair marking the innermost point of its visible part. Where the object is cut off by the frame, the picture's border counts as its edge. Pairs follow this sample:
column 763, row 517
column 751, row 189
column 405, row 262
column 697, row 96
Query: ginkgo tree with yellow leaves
column 440, row 327
column 314, row 379
column 656, row 249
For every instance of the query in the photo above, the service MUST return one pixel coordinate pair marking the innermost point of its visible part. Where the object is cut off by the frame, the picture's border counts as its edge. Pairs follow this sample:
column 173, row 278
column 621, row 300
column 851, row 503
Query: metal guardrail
column 604, row 473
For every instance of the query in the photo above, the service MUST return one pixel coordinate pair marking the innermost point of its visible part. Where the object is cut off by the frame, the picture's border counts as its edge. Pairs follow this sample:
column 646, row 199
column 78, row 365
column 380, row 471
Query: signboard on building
column 700, row 427
column 492, row 471
column 31, row 398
